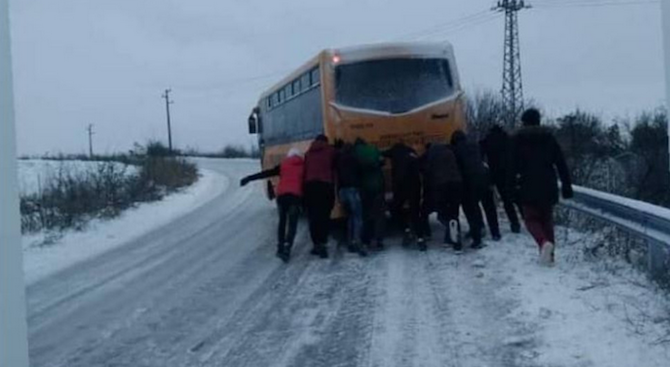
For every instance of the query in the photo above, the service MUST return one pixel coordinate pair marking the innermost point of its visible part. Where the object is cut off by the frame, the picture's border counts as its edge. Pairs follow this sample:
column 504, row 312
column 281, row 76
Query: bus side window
column 296, row 87
column 316, row 77
column 304, row 80
column 282, row 96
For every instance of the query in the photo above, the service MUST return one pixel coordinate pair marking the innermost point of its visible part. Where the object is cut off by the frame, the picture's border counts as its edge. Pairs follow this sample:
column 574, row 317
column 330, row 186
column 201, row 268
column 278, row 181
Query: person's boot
column 516, row 228
column 454, row 232
column 422, row 244
column 458, row 248
column 496, row 236
column 477, row 244
column 280, row 250
column 323, row 251
column 407, row 238
column 361, row 250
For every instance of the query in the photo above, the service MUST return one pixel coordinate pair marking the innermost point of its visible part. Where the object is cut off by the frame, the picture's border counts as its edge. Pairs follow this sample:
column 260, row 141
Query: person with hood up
column 348, row 184
column 443, row 188
column 536, row 157
column 406, row 185
column 372, row 193
column 495, row 149
column 474, row 183
column 289, row 198
column 319, row 192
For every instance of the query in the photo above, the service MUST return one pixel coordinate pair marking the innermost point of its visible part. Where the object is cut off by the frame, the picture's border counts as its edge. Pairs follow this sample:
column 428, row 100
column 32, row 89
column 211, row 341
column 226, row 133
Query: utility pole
column 168, row 102
column 512, row 89
column 665, row 7
column 13, row 325
column 90, row 140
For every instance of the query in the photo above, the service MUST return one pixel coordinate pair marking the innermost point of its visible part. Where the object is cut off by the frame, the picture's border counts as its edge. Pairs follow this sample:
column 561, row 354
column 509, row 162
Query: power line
column 441, row 26
column 600, row 3
column 459, row 27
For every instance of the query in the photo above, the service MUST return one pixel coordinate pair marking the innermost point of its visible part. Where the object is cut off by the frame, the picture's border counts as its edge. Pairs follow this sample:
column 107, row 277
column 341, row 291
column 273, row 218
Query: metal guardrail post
column 13, row 328
column 659, row 261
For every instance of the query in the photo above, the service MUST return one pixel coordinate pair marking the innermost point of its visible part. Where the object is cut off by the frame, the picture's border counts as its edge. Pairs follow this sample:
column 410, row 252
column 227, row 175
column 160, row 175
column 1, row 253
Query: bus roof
column 385, row 50
column 368, row 52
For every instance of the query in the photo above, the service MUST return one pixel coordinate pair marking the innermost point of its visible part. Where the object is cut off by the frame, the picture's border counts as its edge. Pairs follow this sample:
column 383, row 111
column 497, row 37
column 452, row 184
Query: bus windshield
column 393, row 85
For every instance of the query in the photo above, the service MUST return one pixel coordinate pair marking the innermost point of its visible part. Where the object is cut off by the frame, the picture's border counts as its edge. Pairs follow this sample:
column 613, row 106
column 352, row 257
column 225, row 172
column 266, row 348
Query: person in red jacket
column 289, row 198
column 319, row 192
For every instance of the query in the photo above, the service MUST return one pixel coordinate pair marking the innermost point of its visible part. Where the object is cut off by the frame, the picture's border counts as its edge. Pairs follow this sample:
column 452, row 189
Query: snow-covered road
column 207, row 290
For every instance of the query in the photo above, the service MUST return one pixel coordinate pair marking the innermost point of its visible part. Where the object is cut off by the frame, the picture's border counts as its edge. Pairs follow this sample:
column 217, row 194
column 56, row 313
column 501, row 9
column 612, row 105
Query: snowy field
column 64, row 250
column 33, row 173
column 207, row 290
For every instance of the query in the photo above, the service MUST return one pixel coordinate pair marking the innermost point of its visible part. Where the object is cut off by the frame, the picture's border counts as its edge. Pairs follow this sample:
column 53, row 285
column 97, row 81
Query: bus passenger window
column 282, row 96
column 296, row 87
column 316, row 77
column 304, row 80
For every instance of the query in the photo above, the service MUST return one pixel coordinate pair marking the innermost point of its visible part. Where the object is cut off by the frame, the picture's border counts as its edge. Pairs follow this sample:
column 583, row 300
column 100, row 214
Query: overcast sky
column 106, row 62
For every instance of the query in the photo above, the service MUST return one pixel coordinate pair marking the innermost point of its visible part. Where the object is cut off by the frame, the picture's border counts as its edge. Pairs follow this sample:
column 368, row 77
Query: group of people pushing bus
column 447, row 177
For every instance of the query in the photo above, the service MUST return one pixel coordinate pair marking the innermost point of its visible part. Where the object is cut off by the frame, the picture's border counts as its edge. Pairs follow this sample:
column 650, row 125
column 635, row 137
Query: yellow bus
column 382, row 93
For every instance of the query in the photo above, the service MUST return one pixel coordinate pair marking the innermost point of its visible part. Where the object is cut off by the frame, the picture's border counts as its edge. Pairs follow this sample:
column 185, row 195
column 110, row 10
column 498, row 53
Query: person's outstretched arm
column 261, row 175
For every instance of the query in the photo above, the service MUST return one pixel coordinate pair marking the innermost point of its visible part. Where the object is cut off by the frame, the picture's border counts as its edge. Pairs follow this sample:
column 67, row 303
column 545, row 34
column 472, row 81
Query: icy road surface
column 206, row 290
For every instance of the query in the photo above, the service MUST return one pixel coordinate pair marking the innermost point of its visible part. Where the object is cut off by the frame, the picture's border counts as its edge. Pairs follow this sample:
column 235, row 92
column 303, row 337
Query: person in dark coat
column 474, row 183
column 289, row 198
column 406, row 185
column 536, row 158
column 443, row 190
column 319, row 192
column 372, row 192
column 349, row 184
column 495, row 148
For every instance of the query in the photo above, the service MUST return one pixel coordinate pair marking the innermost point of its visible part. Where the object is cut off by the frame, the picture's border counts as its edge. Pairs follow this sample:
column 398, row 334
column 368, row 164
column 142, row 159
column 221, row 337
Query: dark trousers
column 540, row 223
column 489, row 205
column 373, row 216
column 289, row 210
column 407, row 195
column 508, row 203
column 319, row 201
column 472, row 195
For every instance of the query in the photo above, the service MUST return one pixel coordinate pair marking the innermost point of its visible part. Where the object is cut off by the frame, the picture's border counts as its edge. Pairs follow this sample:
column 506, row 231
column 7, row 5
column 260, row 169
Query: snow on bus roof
column 367, row 52
column 381, row 50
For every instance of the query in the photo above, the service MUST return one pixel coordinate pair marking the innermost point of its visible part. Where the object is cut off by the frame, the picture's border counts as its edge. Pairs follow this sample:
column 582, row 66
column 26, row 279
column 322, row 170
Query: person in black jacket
column 474, row 183
column 406, row 185
column 495, row 148
column 348, row 172
column 536, row 157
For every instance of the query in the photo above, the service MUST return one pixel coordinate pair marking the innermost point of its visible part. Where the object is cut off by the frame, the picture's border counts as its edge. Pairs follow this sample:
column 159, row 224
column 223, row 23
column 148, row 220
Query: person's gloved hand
column 244, row 181
column 567, row 192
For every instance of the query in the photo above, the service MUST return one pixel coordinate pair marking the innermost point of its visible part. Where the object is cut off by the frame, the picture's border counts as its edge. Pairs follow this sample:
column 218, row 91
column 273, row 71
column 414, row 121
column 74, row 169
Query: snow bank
column 34, row 173
column 101, row 236
column 585, row 313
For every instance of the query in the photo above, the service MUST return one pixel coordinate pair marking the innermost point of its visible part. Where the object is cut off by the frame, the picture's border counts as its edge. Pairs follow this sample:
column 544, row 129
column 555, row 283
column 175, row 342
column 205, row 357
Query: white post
column 13, row 326
column 665, row 9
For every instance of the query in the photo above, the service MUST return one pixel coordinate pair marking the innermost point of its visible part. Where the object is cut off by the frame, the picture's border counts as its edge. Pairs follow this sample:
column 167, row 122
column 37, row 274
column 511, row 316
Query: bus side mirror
column 253, row 128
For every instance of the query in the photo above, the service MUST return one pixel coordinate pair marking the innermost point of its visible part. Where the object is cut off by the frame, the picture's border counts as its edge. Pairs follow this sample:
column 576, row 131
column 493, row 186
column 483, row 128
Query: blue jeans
column 351, row 202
